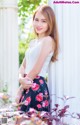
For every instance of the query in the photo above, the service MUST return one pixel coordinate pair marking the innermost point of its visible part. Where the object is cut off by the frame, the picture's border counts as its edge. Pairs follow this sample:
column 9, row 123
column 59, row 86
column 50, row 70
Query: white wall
column 9, row 45
column 64, row 76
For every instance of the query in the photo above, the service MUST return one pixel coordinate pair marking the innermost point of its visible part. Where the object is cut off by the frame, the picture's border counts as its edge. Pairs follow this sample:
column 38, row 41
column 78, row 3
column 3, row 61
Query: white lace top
column 31, row 56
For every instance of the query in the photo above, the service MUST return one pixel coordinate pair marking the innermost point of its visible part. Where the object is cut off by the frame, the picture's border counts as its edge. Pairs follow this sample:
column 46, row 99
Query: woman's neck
column 40, row 36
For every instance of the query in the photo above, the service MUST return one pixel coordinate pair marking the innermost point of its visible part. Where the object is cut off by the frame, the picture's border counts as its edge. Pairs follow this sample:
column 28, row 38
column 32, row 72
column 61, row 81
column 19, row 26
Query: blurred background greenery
column 26, row 9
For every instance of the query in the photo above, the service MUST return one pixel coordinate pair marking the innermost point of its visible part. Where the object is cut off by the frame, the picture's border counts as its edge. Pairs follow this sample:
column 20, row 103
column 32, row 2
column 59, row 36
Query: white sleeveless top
column 31, row 56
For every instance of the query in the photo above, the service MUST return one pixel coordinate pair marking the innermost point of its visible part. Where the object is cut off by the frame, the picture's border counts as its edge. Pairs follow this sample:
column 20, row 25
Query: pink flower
column 35, row 87
column 46, row 93
column 27, row 101
column 39, row 97
column 27, row 91
column 45, row 103
column 41, row 81
column 39, row 105
column 37, row 77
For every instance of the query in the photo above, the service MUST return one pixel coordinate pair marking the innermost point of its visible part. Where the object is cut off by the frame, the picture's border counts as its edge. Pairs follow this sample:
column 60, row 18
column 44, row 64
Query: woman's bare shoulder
column 49, row 41
column 32, row 42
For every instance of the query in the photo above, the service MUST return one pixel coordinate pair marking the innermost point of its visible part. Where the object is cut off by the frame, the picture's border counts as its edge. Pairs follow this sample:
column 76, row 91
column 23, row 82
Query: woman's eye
column 36, row 19
column 44, row 21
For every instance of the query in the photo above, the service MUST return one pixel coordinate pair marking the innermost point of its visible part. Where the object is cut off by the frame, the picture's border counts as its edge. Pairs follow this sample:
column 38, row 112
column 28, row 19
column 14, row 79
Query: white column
column 9, row 45
column 64, row 75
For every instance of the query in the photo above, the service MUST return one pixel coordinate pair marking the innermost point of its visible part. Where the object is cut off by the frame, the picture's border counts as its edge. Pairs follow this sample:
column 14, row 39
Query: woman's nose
column 39, row 24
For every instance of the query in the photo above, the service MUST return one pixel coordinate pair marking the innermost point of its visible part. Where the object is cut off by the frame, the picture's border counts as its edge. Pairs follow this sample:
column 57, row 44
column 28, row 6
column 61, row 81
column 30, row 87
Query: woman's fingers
column 26, row 85
column 28, row 78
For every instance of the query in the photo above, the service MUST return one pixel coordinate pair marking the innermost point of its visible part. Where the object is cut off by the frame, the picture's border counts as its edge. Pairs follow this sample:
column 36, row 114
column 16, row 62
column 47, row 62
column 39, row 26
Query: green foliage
column 26, row 7
column 25, row 10
column 23, row 46
column 4, row 89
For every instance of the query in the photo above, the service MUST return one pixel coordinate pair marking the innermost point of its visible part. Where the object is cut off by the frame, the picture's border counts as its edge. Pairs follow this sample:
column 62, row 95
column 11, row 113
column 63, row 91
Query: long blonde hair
column 52, row 31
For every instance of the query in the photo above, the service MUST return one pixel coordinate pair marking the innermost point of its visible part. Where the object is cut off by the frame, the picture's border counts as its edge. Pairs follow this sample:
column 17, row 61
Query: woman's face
column 40, row 24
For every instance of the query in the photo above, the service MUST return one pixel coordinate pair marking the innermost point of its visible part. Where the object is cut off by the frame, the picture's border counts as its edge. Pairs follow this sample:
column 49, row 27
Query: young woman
column 33, row 69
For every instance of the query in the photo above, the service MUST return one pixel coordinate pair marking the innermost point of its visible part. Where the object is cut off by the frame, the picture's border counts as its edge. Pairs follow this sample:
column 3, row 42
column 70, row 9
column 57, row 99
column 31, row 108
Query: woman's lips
column 39, row 29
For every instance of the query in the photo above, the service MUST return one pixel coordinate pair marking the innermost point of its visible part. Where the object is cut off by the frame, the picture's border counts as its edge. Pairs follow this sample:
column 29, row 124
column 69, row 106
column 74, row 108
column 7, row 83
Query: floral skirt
column 36, row 97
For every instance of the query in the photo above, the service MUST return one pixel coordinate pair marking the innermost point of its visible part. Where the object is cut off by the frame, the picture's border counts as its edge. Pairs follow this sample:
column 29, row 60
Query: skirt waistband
column 37, row 77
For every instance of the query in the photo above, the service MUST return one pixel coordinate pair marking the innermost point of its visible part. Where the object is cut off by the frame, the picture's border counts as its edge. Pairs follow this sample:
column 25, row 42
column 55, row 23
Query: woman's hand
column 25, row 82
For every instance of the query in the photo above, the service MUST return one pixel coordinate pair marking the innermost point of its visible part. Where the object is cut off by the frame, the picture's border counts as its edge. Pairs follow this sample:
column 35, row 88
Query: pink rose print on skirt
column 27, row 101
column 39, row 106
column 27, row 91
column 46, row 93
column 41, row 81
column 35, row 87
column 39, row 97
column 45, row 103
column 37, row 77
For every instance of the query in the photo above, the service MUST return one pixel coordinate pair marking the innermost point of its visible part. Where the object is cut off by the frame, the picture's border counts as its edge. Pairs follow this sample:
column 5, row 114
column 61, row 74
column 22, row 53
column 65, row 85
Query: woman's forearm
column 32, row 74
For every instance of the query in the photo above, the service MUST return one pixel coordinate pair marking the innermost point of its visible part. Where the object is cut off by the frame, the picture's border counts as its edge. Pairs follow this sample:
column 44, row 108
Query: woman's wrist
column 21, row 80
column 20, row 76
column 26, row 80
column 29, row 79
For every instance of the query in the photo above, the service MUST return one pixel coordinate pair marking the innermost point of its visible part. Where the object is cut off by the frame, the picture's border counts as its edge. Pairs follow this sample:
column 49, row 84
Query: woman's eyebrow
column 43, row 19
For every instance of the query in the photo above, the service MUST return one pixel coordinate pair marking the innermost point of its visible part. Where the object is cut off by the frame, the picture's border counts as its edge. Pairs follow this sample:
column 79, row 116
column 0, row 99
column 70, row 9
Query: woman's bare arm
column 24, row 81
column 22, row 68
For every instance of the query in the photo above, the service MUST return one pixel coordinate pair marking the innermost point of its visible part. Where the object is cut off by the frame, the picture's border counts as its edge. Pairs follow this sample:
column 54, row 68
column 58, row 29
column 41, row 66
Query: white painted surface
column 9, row 45
column 64, row 75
